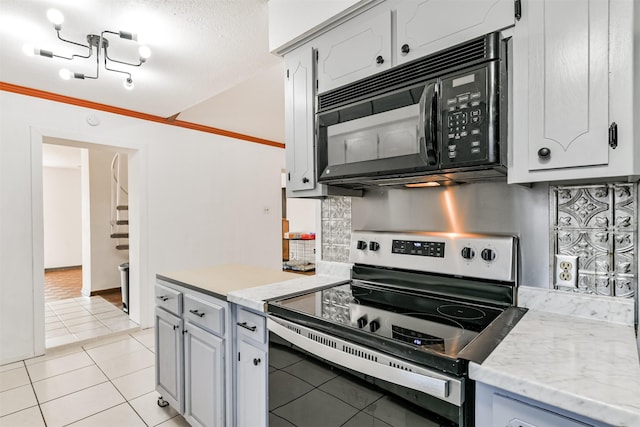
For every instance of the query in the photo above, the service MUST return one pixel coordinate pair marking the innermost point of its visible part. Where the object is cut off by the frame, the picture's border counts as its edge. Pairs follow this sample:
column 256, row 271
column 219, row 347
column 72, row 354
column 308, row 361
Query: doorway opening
column 85, row 231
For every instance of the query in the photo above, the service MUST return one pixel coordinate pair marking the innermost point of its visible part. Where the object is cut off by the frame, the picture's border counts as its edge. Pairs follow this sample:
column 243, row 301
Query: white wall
column 62, row 217
column 201, row 199
column 301, row 214
column 105, row 258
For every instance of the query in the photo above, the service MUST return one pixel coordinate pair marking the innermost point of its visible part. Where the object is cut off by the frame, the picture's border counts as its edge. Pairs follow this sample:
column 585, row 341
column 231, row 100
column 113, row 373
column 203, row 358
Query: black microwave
column 438, row 120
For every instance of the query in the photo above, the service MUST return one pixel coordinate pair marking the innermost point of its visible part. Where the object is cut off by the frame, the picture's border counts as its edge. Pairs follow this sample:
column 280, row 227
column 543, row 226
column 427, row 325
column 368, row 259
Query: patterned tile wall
column 336, row 228
column 598, row 224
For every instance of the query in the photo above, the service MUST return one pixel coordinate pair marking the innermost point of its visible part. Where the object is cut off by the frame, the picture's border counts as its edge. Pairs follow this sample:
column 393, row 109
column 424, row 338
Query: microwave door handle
column 428, row 123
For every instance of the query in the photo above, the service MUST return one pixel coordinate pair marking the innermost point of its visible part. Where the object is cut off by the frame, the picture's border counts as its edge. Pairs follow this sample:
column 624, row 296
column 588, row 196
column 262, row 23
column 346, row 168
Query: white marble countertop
column 585, row 366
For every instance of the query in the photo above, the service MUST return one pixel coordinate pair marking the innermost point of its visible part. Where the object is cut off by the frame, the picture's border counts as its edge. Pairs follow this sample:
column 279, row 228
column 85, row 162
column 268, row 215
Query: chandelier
column 100, row 43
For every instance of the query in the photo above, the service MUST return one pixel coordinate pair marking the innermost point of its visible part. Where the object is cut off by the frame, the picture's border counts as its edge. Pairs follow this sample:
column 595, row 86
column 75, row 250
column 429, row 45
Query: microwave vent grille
column 464, row 55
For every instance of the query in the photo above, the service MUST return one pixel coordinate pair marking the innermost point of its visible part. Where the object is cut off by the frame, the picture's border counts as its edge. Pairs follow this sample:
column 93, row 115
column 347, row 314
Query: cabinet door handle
column 175, row 327
column 196, row 313
column 252, row 328
column 379, row 60
column 305, row 180
column 544, row 153
column 256, row 361
column 163, row 298
column 405, row 49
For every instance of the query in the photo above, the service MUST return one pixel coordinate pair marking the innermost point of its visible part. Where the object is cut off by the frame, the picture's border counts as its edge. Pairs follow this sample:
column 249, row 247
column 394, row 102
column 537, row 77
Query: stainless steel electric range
column 419, row 306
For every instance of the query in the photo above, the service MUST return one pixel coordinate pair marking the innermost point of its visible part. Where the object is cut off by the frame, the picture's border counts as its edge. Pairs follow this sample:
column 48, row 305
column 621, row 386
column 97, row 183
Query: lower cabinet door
column 169, row 358
column 251, row 402
column 512, row 413
column 204, row 377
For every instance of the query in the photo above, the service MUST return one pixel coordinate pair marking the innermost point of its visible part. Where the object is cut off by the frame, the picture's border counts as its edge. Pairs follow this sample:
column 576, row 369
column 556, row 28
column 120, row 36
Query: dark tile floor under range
column 306, row 393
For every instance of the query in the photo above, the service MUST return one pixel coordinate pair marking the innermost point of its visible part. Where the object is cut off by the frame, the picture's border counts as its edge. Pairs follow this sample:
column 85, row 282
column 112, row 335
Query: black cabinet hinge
column 613, row 135
column 517, row 9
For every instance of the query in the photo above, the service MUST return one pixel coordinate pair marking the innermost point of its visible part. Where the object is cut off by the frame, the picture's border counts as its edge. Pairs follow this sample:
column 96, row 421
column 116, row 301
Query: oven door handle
column 434, row 386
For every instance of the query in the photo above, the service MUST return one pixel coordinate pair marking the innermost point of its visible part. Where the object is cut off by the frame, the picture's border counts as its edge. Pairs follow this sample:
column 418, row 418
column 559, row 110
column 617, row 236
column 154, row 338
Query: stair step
column 122, row 247
column 120, row 235
column 122, row 208
column 122, row 222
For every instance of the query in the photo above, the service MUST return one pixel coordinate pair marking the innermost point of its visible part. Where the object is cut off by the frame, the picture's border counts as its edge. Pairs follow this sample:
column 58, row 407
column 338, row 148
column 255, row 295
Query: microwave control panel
column 466, row 121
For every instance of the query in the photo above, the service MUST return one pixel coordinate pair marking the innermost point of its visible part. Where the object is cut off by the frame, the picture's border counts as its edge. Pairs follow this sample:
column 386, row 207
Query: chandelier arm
column 77, row 44
column 107, row 57
column 106, row 67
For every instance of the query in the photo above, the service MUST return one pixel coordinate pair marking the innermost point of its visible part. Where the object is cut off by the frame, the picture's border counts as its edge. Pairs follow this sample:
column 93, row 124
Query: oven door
column 435, row 396
column 390, row 135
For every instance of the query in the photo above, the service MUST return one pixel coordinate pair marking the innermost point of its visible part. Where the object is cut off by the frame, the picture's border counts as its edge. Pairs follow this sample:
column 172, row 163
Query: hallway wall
column 202, row 198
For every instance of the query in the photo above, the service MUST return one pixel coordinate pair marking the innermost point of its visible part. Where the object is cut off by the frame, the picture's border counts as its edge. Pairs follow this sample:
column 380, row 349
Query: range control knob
column 374, row 246
column 362, row 322
column 468, row 253
column 488, row 255
column 374, row 325
column 362, row 245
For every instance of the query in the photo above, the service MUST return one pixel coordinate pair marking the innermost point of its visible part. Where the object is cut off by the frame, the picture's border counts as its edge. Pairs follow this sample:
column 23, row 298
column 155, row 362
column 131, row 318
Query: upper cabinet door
column 427, row 26
column 561, row 83
column 299, row 114
column 353, row 51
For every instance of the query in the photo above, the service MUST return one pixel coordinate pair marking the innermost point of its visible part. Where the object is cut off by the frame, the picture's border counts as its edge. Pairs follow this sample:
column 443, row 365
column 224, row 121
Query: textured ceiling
column 200, row 49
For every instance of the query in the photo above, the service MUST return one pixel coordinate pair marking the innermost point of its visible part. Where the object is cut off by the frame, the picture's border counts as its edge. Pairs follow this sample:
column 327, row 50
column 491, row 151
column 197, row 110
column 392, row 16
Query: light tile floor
column 103, row 382
column 78, row 319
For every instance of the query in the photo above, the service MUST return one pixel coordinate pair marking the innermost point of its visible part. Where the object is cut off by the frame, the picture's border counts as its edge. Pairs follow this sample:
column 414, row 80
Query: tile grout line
column 33, row 389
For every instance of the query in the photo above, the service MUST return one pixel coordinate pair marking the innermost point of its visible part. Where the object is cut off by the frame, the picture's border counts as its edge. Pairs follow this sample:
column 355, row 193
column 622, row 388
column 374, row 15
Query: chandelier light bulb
column 128, row 84
column 55, row 17
column 65, row 74
column 144, row 53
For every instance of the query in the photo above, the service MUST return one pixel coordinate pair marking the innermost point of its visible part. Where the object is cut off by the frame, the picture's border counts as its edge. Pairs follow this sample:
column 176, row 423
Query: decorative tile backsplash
column 336, row 228
column 598, row 224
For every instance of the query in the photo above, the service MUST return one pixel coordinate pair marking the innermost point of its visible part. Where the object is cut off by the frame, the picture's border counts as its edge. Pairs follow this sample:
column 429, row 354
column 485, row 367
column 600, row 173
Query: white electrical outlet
column 566, row 271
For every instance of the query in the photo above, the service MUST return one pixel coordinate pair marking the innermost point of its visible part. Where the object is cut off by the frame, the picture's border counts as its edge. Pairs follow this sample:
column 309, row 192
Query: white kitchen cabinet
column 299, row 101
column 251, row 369
column 204, row 377
column 572, row 66
column 191, row 361
column 169, row 358
column 427, row 26
column 355, row 50
column 496, row 407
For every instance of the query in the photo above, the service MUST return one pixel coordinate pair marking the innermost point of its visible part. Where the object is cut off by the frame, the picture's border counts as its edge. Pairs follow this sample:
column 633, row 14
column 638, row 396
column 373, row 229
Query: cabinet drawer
column 169, row 299
column 204, row 313
column 251, row 325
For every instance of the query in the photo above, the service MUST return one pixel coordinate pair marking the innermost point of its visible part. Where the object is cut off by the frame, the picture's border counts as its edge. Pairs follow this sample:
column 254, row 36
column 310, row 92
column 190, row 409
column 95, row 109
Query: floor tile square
column 147, row 407
column 276, row 421
column 92, row 324
column 79, row 320
column 57, row 332
column 177, row 421
column 114, row 349
column 62, row 340
column 76, row 406
column 121, row 325
column 312, row 410
column 67, row 383
column 111, row 313
column 311, row 371
column 92, row 333
column 70, row 309
column 363, row 419
column 127, row 363
column 394, row 412
column 11, row 366
column 284, row 387
column 14, row 378
column 121, row 415
column 17, row 399
column 352, row 391
column 51, row 319
column 53, row 325
column 74, row 315
column 137, row 383
column 30, row 417
column 281, row 357
column 59, row 365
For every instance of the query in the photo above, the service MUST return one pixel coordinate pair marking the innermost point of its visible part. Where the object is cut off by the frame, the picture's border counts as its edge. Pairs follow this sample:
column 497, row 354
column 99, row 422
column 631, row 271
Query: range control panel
column 463, row 254
column 415, row 247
